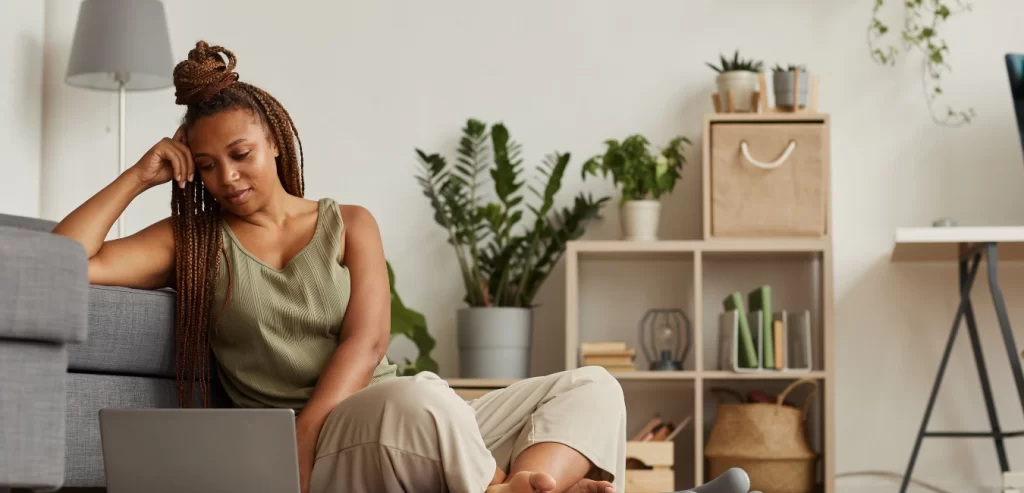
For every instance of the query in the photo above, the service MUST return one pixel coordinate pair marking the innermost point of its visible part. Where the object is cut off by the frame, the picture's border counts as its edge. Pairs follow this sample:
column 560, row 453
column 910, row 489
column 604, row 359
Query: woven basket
column 768, row 441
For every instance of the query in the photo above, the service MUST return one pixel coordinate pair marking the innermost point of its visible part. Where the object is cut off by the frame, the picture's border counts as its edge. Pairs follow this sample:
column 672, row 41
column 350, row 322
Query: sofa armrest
column 44, row 286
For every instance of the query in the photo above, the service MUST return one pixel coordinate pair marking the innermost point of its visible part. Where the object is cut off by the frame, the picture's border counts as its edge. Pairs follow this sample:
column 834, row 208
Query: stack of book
column 612, row 355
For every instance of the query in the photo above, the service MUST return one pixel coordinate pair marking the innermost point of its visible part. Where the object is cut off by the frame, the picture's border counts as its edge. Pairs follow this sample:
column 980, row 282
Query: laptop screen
column 1015, row 70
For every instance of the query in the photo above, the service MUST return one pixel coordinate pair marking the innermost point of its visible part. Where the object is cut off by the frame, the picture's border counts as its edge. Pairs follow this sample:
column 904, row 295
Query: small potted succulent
column 740, row 76
column 783, row 80
column 643, row 177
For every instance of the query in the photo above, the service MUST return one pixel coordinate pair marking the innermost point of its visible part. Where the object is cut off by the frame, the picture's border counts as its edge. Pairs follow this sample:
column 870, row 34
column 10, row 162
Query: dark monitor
column 1015, row 70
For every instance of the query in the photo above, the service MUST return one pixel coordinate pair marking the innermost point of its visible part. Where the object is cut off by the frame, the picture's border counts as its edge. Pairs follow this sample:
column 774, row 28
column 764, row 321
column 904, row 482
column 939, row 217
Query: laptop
column 199, row 450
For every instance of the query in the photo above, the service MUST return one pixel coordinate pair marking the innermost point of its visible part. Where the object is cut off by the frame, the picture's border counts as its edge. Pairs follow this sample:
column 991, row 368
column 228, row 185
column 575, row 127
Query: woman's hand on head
column 169, row 159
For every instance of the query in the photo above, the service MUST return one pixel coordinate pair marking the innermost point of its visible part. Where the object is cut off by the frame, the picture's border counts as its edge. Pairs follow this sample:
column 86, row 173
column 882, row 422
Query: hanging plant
column 922, row 20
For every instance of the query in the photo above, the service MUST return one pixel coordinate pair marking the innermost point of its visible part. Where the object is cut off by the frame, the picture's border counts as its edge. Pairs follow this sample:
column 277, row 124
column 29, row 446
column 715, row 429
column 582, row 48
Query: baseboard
column 877, row 484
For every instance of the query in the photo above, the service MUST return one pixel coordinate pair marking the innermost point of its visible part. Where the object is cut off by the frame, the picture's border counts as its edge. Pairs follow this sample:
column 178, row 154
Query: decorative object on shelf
column 612, row 355
column 921, row 25
column 503, row 263
column 121, row 45
column 650, row 455
column 760, row 300
column 791, row 341
column 794, row 84
column 767, row 178
column 943, row 222
column 664, row 328
column 739, row 87
column 767, row 440
column 643, row 177
column 790, row 84
column 413, row 325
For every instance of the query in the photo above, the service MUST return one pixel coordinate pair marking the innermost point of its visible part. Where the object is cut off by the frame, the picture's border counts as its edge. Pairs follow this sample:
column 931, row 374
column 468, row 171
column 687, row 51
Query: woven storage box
column 768, row 179
column 768, row 441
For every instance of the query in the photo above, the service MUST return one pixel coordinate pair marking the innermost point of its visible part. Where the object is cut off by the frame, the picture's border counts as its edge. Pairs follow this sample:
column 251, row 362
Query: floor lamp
column 121, row 45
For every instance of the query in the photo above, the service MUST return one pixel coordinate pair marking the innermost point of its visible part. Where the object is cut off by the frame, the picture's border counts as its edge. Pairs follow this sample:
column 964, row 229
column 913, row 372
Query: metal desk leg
column 1004, row 321
column 966, row 310
column 986, row 387
column 965, row 295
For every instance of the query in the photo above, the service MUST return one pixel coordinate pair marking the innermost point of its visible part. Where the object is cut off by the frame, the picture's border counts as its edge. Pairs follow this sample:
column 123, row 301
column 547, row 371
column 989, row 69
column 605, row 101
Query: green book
column 748, row 353
column 761, row 299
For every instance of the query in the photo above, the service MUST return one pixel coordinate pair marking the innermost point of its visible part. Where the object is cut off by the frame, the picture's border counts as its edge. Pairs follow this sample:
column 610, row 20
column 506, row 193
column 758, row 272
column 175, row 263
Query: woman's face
column 235, row 159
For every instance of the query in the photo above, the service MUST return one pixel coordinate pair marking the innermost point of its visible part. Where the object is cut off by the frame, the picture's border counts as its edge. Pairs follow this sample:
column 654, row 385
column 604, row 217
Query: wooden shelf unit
column 705, row 257
column 710, row 260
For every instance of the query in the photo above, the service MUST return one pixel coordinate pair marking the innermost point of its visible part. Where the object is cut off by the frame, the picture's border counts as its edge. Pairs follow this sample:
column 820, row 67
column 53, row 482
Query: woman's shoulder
column 353, row 216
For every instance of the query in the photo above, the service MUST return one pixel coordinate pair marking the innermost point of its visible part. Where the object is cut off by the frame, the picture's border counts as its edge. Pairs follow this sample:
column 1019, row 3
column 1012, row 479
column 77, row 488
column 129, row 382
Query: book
column 607, row 360
column 761, row 299
column 780, row 343
column 729, row 345
column 609, row 347
column 727, row 328
column 747, row 351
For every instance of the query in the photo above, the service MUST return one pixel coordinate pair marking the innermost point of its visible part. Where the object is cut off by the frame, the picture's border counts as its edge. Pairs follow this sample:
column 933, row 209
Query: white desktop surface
column 938, row 244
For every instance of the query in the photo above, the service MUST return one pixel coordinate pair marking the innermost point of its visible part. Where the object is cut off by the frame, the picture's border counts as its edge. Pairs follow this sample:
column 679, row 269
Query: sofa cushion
column 87, row 394
column 131, row 332
column 32, row 390
column 43, row 286
column 29, row 223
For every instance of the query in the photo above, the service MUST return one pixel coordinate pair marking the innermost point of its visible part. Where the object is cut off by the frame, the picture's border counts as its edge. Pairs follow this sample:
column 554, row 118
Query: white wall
column 21, row 78
column 368, row 82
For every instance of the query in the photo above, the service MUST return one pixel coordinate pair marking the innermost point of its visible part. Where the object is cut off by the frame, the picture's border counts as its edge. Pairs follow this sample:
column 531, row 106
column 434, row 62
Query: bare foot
column 591, row 486
column 525, row 482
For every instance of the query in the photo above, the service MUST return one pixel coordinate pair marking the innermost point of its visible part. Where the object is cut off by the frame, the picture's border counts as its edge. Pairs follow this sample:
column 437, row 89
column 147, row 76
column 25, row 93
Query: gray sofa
column 67, row 350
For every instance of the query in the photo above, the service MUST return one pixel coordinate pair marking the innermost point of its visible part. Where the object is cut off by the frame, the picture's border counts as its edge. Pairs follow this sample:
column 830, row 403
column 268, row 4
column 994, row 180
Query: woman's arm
column 144, row 259
column 365, row 332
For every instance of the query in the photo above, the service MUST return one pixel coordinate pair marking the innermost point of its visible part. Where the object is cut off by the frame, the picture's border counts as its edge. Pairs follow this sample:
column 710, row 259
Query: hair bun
column 203, row 74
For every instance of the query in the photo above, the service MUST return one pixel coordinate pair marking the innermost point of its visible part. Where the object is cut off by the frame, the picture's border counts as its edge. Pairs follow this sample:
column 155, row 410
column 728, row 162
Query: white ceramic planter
column 743, row 85
column 494, row 342
column 640, row 219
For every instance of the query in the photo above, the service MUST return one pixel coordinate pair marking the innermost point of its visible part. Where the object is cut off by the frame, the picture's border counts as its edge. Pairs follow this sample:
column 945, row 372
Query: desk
column 966, row 246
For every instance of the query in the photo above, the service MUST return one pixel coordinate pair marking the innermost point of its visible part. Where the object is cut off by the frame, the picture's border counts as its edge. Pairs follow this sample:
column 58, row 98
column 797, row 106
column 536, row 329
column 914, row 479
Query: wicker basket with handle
column 768, row 441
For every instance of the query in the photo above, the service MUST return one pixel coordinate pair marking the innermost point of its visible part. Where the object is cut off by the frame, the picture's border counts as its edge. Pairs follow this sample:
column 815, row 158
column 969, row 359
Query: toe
column 542, row 482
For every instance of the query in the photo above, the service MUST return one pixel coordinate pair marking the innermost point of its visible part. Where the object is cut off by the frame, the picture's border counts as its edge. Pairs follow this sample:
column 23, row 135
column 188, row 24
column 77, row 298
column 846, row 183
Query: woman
column 291, row 296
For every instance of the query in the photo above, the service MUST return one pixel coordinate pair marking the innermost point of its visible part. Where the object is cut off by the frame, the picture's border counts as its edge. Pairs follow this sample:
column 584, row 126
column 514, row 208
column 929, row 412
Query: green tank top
column 281, row 326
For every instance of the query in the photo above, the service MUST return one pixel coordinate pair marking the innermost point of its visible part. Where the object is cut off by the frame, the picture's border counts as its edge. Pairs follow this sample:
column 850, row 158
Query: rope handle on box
column 789, row 388
column 772, row 165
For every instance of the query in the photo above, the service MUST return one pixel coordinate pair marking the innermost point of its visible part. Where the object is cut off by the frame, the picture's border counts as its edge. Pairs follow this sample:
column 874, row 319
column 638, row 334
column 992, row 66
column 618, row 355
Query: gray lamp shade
column 126, row 37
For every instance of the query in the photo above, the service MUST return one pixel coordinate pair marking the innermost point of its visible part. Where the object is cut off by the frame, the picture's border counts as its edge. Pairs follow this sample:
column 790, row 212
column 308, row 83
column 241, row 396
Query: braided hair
column 206, row 85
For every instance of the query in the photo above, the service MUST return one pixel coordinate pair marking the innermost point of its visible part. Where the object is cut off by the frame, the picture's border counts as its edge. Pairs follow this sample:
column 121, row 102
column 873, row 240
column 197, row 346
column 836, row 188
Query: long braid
column 207, row 85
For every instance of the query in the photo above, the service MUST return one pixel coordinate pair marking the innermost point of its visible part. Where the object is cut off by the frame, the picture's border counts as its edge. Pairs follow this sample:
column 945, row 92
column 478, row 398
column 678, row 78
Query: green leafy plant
column 922, row 21
column 413, row 325
column 789, row 68
column 503, row 258
column 639, row 173
column 736, row 63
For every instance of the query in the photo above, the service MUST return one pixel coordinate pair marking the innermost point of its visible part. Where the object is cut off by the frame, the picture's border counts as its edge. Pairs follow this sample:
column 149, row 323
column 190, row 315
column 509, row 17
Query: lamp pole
column 122, row 81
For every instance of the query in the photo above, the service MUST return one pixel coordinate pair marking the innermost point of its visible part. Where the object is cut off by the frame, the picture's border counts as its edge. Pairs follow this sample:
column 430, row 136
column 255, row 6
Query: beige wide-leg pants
column 415, row 434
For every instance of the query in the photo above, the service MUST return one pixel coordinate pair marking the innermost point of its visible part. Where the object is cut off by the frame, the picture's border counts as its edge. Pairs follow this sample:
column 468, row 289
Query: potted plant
column 413, row 325
column 643, row 177
column 783, row 81
column 740, row 76
column 503, row 256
